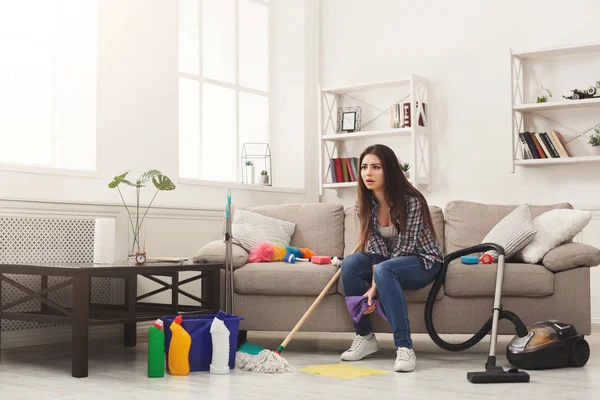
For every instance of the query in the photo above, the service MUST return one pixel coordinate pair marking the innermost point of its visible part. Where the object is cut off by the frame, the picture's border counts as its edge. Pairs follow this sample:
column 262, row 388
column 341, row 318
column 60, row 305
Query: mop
column 264, row 360
column 271, row 362
column 251, row 357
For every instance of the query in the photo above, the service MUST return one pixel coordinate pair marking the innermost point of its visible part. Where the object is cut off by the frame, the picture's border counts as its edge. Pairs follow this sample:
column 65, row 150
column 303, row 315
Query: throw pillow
column 513, row 232
column 554, row 227
column 571, row 255
column 214, row 252
column 249, row 229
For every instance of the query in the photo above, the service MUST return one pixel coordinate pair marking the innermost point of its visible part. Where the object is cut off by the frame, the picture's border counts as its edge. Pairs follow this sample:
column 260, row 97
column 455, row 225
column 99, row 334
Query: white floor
column 120, row 373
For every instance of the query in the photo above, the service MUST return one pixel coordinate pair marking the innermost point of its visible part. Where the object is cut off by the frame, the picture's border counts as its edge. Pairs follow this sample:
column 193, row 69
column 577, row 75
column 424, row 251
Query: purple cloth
column 358, row 304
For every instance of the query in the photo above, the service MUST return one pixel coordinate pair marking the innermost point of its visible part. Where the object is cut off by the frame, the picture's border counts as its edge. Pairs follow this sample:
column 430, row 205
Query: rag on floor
column 358, row 304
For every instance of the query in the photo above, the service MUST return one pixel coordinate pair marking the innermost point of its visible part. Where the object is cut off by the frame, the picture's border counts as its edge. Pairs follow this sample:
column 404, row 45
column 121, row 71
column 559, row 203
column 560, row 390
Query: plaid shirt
column 416, row 239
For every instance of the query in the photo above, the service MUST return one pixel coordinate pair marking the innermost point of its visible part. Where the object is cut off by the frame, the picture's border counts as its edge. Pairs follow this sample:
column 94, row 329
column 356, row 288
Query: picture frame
column 348, row 119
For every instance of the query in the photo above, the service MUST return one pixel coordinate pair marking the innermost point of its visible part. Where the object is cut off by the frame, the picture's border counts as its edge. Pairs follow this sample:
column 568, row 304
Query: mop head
column 266, row 362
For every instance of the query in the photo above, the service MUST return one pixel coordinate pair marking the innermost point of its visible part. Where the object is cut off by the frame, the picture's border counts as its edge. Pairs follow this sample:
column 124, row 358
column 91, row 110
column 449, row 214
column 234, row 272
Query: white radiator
column 46, row 240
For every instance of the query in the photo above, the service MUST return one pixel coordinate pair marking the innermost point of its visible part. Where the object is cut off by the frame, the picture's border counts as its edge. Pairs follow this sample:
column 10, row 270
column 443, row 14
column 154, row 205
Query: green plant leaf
column 147, row 176
column 162, row 182
column 118, row 179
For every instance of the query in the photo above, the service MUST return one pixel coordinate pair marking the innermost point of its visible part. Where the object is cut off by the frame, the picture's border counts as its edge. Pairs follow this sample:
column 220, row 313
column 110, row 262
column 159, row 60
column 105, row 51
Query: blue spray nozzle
column 228, row 196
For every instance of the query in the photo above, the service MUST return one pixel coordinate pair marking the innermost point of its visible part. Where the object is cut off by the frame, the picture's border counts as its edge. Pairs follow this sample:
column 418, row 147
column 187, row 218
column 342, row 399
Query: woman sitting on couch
column 398, row 250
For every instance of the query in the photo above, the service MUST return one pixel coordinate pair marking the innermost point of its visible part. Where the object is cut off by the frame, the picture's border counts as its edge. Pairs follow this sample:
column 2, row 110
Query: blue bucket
column 198, row 326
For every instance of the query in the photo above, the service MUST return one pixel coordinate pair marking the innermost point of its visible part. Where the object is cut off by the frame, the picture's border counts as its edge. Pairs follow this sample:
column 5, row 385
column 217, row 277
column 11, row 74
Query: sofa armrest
column 214, row 252
column 571, row 255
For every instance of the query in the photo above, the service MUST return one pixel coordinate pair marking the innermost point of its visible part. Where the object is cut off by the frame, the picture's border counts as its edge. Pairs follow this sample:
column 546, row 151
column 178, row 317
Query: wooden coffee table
column 84, row 313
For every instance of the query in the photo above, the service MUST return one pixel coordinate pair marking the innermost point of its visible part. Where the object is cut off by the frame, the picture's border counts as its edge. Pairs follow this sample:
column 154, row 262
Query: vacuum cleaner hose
column 485, row 329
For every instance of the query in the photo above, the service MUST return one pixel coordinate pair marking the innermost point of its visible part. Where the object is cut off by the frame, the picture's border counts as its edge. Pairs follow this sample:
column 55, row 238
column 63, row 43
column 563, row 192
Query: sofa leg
column 242, row 337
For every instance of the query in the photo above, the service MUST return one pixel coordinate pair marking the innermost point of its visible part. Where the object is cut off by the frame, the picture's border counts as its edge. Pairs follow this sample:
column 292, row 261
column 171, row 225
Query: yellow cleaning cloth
column 342, row 371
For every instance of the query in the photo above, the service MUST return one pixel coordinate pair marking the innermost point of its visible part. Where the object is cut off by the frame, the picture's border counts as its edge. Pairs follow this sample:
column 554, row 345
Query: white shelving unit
column 521, row 109
column 331, row 141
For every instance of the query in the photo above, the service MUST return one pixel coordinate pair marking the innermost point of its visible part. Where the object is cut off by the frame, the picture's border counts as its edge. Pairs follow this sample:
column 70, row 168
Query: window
column 48, row 83
column 223, row 85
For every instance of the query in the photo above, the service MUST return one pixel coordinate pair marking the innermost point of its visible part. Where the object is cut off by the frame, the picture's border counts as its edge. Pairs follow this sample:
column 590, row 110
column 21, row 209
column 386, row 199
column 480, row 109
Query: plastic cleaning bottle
column 179, row 349
column 156, row 350
column 220, row 345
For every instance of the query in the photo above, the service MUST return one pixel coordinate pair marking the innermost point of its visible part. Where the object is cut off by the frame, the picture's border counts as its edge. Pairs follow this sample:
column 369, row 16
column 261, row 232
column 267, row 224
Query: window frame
column 234, row 86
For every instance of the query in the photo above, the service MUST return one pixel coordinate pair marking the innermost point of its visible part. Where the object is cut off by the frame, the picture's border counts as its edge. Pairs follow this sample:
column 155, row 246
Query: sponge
column 320, row 259
column 469, row 260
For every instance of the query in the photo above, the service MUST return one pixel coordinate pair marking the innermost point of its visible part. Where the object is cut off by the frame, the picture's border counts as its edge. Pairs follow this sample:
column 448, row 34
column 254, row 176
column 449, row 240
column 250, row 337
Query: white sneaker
column 360, row 348
column 406, row 360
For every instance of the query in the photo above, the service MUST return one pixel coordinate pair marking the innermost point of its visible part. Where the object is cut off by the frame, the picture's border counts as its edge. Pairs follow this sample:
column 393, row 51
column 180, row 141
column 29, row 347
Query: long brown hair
column 396, row 188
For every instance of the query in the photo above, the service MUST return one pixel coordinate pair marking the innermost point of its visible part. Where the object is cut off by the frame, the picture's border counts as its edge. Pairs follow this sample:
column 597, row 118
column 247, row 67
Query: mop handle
column 228, row 257
column 313, row 306
column 228, row 204
column 309, row 311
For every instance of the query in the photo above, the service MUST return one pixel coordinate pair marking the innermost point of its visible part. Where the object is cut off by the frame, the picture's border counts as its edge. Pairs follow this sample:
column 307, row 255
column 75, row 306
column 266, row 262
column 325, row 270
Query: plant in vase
column 543, row 97
column 161, row 183
column 595, row 139
column 405, row 167
column 264, row 177
column 249, row 171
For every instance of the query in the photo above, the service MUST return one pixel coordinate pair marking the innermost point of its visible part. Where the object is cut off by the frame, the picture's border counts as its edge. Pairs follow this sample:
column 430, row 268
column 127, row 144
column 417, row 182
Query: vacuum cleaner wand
column 494, row 373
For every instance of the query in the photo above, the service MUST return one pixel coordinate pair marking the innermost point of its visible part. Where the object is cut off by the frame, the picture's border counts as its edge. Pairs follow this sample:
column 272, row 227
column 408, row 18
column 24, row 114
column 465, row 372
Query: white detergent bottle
column 220, row 345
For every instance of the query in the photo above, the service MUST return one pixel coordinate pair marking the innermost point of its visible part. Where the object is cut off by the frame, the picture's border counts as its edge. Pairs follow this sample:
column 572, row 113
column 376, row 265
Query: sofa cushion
column 467, row 223
column 351, row 230
column 412, row 296
column 250, row 229
column 513, row 232
column 352, row 227
column 280, row 278
column 554, row 228
column 319, row 226
column 571, row 255
column 214, row 252
column 526, row 280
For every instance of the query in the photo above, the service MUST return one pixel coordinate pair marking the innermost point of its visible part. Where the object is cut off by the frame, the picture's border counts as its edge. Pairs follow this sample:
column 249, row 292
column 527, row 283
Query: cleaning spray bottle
column 156, row 350
column 220, row 345
column 179, row 349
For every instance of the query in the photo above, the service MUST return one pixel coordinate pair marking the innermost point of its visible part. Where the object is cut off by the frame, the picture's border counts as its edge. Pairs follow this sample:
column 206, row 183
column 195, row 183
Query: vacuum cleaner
column 546, row 344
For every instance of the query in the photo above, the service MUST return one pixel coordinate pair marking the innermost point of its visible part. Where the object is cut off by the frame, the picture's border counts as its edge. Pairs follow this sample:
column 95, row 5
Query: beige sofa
column 274, row 296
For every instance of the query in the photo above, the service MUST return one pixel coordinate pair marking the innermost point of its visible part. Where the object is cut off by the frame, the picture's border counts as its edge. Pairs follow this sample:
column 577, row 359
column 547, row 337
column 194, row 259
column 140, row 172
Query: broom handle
column 310, row 310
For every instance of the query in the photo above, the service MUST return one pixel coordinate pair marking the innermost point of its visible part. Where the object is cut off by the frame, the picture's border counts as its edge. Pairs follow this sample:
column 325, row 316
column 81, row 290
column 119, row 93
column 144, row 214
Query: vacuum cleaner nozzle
column 496, row 374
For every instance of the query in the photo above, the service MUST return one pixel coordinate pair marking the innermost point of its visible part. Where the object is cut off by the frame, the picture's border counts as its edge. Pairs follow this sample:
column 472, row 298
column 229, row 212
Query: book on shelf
column 400, row 115
column 538, row 145
column 344, row 169
column 395, row 116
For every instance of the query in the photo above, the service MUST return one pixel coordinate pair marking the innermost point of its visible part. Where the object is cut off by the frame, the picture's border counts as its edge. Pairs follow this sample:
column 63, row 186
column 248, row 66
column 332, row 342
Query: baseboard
column 60, row 334
column 142, row 328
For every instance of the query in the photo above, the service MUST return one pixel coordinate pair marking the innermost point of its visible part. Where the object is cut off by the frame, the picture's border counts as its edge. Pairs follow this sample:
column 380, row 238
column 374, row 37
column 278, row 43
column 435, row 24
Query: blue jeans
column 391, row 277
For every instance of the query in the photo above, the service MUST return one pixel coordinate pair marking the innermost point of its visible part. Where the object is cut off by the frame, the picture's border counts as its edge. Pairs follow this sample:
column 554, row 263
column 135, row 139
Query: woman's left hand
column 370, row 294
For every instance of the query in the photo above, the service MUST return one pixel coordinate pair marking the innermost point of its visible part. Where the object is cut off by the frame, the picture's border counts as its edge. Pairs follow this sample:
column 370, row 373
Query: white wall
column 137, row 121
column 463, row 47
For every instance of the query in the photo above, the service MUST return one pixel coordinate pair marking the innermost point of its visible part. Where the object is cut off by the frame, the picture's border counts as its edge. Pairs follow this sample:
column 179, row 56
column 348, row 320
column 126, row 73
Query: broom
column 271, row 361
